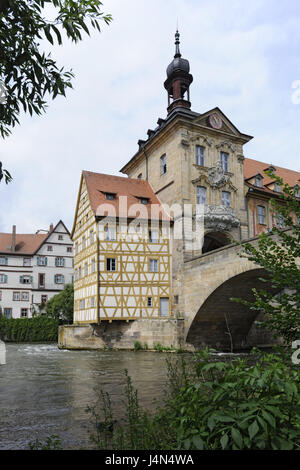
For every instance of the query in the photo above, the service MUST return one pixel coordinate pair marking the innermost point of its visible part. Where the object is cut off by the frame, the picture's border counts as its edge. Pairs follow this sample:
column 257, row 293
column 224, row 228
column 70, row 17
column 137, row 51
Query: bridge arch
column 210, row 281
column 226, row 325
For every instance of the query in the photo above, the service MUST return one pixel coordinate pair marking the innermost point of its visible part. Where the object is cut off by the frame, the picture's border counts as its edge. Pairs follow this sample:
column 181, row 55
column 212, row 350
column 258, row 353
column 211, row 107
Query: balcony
column 218, row 218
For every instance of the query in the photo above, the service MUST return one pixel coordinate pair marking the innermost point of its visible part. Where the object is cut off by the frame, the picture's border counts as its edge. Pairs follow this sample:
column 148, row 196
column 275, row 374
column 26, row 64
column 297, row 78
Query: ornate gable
column 216, row 120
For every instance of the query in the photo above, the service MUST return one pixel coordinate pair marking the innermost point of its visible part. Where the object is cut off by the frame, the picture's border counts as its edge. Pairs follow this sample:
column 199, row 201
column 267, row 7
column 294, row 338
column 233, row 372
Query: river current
column 44, row 391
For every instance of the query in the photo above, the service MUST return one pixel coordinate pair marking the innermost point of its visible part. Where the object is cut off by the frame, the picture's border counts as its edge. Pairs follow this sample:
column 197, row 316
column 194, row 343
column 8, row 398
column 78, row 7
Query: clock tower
column 194, row 159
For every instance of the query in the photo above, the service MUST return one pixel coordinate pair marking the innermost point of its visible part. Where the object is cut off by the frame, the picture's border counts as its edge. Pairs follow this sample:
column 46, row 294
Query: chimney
column 13, row 244
column 51, row 228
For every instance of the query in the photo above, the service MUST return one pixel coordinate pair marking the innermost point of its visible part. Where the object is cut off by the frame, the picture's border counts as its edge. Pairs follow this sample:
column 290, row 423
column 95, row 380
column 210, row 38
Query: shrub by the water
column 233, row 405
column 29, row 330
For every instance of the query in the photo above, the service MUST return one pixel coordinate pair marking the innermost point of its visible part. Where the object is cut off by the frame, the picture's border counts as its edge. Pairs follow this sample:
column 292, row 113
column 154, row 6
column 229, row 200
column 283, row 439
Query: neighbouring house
column 33, row 268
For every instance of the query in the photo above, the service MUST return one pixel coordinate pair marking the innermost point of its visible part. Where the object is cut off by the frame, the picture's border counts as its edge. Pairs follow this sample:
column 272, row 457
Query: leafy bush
column 138, row 346
column 238, row 406
column 211, row 406
column 29, row 330
column 61, row 306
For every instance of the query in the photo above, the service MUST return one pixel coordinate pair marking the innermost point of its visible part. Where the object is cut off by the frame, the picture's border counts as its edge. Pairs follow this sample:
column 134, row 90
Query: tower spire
column 178, row 80
column 177, row 43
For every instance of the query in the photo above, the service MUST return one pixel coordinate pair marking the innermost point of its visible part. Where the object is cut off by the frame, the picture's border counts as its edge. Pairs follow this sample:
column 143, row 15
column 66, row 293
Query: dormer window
column 259, row 181
column 272, row 169
column 277, row 188
column 110, row 196
column 144, row 200
column 297, row 191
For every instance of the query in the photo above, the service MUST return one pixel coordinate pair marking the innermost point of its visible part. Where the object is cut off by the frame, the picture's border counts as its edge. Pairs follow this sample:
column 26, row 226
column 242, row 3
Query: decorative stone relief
column 228, row 144
column 219, row 218
column 216, row 176
column 203, row 139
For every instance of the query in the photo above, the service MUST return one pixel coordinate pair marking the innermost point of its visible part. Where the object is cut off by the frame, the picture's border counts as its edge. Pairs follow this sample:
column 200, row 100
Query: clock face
column 215, row 121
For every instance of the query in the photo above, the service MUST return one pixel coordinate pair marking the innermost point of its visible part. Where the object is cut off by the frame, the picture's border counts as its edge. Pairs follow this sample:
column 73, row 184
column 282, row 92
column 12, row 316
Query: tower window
column 225, row 161
column 200, row 155
column 201, row 195
column 163, row 165
column 226, row 199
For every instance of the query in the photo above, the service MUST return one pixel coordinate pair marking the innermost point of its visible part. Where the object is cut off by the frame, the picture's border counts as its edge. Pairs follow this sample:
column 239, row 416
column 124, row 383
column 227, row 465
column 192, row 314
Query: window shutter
column 5, row 279
column 63, row 279
column 21, row 279
column 38, row 261
column 63, row 262
column 55, row 279
column 6, row 260
column 56, row 262
column 46, row 261
column 31, row 279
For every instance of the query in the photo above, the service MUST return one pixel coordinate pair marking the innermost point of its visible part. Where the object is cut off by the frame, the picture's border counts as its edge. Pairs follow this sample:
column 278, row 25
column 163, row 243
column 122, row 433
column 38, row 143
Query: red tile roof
column 98, row 184
column 253, row 167
column 26, row 244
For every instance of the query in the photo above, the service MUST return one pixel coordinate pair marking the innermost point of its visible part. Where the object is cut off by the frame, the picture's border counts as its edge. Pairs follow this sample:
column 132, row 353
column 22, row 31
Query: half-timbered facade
column 121, row 238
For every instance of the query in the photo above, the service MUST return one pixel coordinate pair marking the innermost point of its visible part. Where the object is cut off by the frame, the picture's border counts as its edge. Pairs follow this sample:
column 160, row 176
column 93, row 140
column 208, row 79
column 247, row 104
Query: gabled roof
column 233, row 129
column 26, row 244
column 133, row 189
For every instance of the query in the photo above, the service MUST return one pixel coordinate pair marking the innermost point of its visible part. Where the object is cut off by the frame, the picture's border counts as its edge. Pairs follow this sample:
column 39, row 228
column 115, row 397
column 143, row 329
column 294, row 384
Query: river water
column 44, row 391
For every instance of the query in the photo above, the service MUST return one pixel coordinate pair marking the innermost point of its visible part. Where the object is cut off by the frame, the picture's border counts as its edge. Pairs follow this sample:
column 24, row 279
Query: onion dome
column 178, row 80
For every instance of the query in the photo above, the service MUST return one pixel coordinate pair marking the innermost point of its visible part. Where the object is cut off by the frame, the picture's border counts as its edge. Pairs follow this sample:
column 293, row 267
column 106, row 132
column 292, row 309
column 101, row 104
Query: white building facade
column 33, row 268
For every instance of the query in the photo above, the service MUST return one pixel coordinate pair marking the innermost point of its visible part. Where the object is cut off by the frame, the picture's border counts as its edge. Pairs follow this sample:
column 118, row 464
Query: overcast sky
column 244, row 56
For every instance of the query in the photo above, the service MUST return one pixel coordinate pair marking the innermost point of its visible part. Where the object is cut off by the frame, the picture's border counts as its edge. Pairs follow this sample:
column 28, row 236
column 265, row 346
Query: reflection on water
column 44, row 391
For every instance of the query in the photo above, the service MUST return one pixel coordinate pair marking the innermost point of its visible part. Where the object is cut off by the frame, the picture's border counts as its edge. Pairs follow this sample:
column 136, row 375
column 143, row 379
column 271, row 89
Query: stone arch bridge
column 211, row 318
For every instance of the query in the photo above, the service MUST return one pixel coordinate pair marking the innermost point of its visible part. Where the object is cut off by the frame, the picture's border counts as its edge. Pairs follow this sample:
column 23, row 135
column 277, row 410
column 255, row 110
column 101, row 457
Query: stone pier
column 168, row 332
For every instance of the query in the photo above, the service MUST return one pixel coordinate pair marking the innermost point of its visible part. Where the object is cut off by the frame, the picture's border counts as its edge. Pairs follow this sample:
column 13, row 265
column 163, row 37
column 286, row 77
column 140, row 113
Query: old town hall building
column 189, row 159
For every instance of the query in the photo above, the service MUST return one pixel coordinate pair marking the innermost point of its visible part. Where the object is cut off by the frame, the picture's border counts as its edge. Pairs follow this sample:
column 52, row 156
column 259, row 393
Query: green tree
column 61, row 306
column 277, row 253
column 27, row 73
